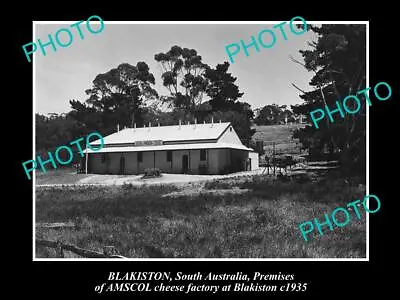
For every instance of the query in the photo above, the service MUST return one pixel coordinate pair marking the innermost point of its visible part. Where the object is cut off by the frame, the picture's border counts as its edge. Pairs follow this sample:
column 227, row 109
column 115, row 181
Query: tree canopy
column 56, row 130
column 126, row 95
column 183, row 76
column 338, row 61
column 274, row 114
column 224, row 102
column 118, row 96
column 222, row 89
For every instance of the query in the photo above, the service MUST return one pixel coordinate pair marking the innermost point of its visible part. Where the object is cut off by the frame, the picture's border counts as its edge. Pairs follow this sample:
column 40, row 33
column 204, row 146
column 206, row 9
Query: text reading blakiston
column 139, row 276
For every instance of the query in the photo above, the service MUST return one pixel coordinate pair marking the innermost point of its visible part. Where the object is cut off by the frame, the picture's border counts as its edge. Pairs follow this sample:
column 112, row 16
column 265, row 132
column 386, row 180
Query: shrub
column 218, row 184
column 283, row 178
column 152, row 172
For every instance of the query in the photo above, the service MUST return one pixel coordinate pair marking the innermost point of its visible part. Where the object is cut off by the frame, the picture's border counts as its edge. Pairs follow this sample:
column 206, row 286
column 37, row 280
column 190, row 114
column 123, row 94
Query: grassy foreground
column 262, row 223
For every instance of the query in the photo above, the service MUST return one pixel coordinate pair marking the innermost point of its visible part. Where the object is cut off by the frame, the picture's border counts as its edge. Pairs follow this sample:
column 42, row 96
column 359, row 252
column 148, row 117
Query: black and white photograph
column 178, row 150
column 201, row 141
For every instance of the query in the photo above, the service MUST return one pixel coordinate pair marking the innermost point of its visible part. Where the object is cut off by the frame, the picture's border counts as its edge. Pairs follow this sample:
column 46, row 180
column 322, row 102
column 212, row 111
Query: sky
column 265, row 77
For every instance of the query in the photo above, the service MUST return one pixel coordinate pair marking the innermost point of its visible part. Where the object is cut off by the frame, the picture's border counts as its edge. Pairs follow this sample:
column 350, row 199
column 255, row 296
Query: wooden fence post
column 273, row 156
column 59, row 250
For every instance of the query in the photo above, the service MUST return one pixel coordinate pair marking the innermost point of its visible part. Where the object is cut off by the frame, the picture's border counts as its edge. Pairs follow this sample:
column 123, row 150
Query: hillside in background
column 277, row 133
column 281, row 135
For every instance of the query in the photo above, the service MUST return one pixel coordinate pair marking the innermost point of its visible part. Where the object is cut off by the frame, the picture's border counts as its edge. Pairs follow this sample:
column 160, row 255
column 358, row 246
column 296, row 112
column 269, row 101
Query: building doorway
column 122, row 165
column 248, row 164
column 82, row 166
column 185, row 164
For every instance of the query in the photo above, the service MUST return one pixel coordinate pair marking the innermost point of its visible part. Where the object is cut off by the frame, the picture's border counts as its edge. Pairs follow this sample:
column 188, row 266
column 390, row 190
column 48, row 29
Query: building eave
column 196, row 146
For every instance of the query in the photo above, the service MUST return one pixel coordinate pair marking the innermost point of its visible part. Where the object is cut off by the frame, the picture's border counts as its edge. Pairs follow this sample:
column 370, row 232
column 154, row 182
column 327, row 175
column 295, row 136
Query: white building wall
column 147, row 161
column 224, row 160
column 162, row 163
column 130, row 162
column 238, row 161
column 113, row 163
column 110, row 166
column 195, row 161
column 216, row 160
column 213, row 161
column 230, row 137
column 95, row 165
column 254, row 160
column 177, row 160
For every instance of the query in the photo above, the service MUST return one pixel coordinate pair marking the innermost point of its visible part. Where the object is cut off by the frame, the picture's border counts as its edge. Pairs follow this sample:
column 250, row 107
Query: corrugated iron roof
column 166, row 133
column 172, row 147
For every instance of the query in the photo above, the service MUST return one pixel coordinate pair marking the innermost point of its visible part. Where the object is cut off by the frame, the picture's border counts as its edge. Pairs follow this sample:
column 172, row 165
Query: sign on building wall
column 149, row 143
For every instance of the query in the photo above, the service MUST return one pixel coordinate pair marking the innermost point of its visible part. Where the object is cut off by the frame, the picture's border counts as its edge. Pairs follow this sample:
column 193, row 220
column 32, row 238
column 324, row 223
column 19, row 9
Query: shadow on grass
column 130, row 201
column 327, row 189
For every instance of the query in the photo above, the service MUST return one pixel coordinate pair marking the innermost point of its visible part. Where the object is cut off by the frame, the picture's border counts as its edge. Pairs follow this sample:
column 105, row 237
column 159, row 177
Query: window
column 103, row 158
column 230, row 128
column 140, row 157
column 169, row 155
column 203, row 154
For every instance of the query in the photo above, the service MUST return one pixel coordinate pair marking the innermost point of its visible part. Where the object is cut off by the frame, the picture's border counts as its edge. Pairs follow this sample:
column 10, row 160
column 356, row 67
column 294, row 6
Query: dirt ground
column 96, row 179
column 71, row 179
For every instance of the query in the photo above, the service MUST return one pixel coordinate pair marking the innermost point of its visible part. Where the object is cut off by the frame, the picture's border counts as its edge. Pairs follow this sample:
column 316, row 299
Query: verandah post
column 86, row 161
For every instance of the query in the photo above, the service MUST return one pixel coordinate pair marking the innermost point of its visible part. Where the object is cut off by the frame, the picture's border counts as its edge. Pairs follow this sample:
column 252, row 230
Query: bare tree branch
column 321, row 91
column 297, row 61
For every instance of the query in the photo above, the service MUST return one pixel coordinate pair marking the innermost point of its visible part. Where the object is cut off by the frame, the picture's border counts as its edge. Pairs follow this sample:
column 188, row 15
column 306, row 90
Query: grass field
column 261, row 223
column 66, row 175
column 275, row 132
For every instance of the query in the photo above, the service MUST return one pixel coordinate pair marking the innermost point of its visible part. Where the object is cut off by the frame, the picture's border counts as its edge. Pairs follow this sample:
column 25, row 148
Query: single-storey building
column 210, row 148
